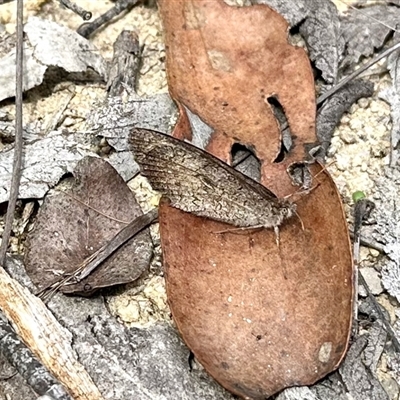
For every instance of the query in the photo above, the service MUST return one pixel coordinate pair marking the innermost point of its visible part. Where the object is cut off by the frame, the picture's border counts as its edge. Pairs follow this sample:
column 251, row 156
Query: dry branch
column 47, row 339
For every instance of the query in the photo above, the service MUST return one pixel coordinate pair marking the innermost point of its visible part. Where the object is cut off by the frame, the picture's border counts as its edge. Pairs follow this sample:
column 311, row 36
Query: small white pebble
column 363, row 103
column 374, row 253
column 376, row 107
column 342, row 162
column 345, row 119
column 348, row 137
column 356, row 124
column 69, row 122
column 373, row 280
column 353, row 109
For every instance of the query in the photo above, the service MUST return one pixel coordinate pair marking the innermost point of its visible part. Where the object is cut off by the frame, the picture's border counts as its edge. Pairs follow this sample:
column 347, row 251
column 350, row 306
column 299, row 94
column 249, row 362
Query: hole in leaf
column 286, row 136
column 245, row 161
column 281, row 155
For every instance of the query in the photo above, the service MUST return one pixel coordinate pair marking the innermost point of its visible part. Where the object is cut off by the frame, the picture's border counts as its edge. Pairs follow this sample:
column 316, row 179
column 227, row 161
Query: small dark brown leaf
column 72, row 225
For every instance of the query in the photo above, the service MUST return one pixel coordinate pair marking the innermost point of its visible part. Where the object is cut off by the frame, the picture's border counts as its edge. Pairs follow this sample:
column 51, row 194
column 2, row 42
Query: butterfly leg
column 277, row 237
column 278, row 242
column 240, row 229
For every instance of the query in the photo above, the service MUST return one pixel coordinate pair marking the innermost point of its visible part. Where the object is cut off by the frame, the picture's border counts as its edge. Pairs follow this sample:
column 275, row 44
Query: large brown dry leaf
column 224, row 63
column 259, row 317
column 72, row 225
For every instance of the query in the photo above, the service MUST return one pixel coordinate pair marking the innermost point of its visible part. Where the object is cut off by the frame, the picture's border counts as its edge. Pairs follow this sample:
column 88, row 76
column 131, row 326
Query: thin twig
column 87, row 29
column 241, row 159
column 352, row 76
column 363, row 207
column 94, row 260
column 371, row 244
column 11, row 345
column 358, row 10
column 85, row 15
column 17, row 162
column 27, row 365
column 381, row 315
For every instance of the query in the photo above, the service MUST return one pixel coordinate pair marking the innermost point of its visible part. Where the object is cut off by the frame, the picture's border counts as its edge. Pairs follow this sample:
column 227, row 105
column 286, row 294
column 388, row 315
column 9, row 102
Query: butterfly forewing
column 197, row 182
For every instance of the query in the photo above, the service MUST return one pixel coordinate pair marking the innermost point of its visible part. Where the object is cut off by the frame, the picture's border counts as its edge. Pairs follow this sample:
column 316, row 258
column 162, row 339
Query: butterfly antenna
column 301, row 221
column 325, row 167
column 302, row 191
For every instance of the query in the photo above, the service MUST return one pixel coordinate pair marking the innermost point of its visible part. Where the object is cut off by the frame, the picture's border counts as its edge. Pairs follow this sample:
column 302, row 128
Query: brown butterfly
column 199, row 183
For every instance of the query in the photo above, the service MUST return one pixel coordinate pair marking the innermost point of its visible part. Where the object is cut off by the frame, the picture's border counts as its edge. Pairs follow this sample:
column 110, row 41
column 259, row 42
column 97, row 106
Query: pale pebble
column 348, row 137
column 372, row 279
column 363, row 102
column 356, row 124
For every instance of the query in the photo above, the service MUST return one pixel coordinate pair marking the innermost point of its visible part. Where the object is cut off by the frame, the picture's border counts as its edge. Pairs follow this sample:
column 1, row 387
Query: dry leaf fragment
column 72, row 225
column 49, row 44
column 319, row 24
column 324, row 38
column 367, row 29
column 225, row 63
column 46, row 160
column 392, row 96
column 333, row 109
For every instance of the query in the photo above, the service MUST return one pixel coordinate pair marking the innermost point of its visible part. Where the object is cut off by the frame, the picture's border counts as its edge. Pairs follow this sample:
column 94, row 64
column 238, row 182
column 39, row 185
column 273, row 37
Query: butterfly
column 197, row 182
